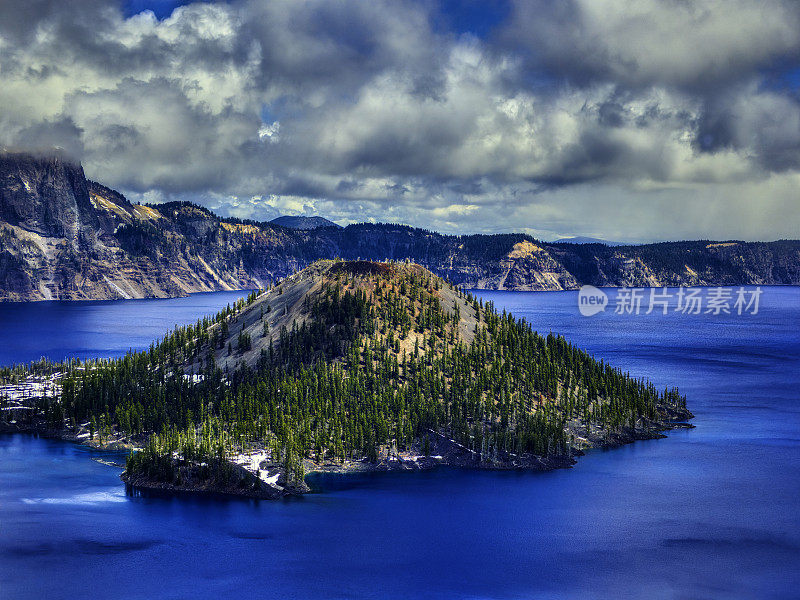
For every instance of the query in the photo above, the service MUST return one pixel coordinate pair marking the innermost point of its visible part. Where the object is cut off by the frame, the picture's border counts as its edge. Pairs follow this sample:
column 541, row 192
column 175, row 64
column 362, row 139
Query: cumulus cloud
column 373, row 111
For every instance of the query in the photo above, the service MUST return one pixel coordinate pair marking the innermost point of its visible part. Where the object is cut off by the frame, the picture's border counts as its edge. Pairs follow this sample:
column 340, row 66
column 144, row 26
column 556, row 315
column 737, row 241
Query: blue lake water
column 709, row 513
column 109, row 328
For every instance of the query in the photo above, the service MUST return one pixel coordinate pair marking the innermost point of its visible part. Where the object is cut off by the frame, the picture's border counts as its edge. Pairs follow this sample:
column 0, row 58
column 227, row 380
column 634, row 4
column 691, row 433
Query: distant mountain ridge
column 303, row 222
column 586, row 240
column 65, row 237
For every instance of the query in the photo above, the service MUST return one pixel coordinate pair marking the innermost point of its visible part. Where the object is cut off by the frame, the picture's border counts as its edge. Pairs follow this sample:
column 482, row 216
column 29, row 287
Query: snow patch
column 251, row 462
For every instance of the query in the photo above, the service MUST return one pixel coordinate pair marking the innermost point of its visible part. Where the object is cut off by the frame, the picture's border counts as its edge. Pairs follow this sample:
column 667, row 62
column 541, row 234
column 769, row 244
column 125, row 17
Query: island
column 343, row 366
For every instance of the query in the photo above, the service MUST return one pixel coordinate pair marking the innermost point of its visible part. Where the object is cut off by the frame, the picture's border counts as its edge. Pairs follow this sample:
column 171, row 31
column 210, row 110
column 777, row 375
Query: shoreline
column 398, row 464
column 252, row 483
column 6, row 301
column 187, row 294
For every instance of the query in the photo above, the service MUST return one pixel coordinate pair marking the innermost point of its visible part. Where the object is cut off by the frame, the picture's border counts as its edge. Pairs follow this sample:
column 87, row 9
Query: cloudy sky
column 628, row 120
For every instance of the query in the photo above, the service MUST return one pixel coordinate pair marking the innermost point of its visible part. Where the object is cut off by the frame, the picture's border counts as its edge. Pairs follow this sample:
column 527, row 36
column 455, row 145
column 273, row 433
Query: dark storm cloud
column 611, row 114
column 340, row 44
column 697, row 46
column 377, row 110
column 765, row 124
column 19, row 21
column 46, row 135
column 347, row 185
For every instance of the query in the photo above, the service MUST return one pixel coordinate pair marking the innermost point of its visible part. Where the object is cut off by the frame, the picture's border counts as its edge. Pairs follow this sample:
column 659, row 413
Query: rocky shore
column 244, row 484
column 442, row 452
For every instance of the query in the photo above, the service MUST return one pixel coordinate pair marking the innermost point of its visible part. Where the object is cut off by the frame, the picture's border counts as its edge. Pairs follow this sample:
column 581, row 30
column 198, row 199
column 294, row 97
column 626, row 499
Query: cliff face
column 46, row 219
column 64, row 237
column 47, row 196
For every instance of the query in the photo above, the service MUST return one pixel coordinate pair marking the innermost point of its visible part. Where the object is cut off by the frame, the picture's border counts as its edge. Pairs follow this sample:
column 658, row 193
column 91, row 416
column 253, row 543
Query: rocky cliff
column 64, row 237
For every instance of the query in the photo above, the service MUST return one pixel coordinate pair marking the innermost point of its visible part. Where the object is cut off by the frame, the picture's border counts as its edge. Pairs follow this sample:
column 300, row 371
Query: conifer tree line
column 376, row 360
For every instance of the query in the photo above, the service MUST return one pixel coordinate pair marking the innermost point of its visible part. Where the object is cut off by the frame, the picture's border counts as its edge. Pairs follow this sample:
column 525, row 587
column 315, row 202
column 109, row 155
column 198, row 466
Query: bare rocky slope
column 65, row 237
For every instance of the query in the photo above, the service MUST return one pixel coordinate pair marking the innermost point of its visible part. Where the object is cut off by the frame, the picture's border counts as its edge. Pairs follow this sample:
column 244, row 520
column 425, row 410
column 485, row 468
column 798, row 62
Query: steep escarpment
column 64, row 237
column 47, row 196
column 694, row 263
